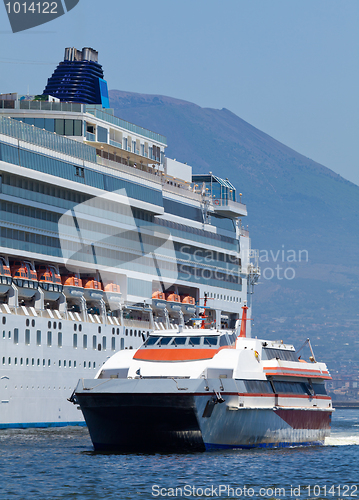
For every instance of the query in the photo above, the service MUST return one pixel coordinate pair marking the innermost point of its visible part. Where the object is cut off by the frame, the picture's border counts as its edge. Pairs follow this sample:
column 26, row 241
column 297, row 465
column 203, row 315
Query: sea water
column 61, row 464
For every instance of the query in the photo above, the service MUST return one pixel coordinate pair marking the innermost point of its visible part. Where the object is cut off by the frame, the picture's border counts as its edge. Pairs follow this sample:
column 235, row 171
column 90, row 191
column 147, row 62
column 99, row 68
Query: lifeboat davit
column 24, row 277
column 5, row 277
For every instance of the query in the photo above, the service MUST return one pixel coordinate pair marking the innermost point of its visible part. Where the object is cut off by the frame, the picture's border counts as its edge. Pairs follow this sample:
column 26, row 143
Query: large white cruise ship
column 103, row 240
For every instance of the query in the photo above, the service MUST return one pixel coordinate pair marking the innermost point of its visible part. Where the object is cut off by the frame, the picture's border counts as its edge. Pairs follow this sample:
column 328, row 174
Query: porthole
column 80, row 328
column 28, row 322
column 32, row 322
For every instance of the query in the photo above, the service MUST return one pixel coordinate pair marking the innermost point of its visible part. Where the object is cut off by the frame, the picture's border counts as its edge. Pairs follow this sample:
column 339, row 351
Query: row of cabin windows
column 228, row 298
column 37, row 362
column 95, row 345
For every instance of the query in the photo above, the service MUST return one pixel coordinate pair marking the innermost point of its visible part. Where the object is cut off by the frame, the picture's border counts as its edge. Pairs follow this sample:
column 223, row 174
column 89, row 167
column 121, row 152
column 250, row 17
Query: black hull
column 142, row 422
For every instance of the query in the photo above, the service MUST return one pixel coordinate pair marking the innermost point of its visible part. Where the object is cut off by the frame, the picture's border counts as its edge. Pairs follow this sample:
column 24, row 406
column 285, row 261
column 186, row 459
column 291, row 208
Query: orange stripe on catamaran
column 174, row 354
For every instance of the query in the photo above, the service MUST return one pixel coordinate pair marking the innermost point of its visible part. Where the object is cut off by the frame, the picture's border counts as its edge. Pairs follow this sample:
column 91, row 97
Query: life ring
column 216, row 202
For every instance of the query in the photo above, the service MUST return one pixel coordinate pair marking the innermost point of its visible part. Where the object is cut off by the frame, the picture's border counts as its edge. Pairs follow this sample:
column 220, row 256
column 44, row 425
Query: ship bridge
column 222, row 194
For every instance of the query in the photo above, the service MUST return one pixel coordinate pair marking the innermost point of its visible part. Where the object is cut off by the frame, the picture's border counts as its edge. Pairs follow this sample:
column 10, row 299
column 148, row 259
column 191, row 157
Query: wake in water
column 342, row 440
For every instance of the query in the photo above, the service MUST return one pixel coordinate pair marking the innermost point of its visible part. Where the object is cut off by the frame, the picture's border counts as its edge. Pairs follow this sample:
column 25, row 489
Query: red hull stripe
column 295, row 372
column 305, row 419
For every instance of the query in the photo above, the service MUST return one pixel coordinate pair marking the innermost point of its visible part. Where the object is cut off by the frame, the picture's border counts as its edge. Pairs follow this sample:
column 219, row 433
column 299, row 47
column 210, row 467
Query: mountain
column 298, row 209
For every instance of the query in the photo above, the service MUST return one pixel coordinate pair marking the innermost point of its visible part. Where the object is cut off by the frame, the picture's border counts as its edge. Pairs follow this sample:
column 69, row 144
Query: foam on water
column 342, row 440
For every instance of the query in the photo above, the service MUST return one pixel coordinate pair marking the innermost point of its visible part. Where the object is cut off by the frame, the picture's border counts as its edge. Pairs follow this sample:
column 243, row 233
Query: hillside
column 293, row 204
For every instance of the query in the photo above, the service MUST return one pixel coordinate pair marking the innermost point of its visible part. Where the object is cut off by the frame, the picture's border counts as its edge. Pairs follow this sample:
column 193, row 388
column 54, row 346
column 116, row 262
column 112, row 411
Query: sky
column 288, row 67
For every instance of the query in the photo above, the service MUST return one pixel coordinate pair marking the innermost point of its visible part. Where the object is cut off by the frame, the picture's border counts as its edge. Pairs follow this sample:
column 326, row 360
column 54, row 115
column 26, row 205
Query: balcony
column 90, row 137
column 229, row 208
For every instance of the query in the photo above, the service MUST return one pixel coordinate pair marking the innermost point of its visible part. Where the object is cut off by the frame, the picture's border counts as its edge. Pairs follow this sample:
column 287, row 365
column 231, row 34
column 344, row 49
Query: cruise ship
column 103, row 240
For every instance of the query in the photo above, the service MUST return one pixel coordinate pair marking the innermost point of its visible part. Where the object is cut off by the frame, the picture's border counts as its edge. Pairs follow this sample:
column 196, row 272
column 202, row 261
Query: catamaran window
column 165, row 340
column 194, row 341
column 179, row 341
column 211, row 341
column 224, row 340
column 269, row 353
column 319, row 388
column 258, row 386
column 152, row 340
column 291, row 387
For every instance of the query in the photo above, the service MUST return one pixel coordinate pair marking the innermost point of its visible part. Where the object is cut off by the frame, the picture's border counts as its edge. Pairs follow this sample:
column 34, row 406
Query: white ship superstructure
column 103, row 239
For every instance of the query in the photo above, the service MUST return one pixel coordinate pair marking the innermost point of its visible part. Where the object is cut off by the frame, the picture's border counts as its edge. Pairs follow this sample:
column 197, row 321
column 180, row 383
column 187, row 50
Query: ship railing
column 134, row 323
column 182, row 190
column 119, row 165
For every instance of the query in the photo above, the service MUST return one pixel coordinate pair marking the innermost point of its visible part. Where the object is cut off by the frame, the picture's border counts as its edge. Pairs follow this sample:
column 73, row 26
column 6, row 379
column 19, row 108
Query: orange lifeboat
column 24, row 275
column 172, row 297
column 71, row 280
column 92, row 284
column 158, row 295
column 5, row 276
column 48, row 279
column 113, row 288
column 187, row 299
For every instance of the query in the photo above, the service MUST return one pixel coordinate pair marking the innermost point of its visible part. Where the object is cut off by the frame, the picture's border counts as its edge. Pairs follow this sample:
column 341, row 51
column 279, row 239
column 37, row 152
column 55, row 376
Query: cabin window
column 94, row 342
column 38, row 337
column 27, row 322
column 269, row 353
column 3, row 320
column 193, row 341
column 152, row 340
column 319, row 388
column 211, row 341
column 258, row 386
column 127, row 332
column 113, row 343
column 27, row 337
column 99, row 329
column 122, row 344
column 3, row 360
column 291, row 387
column 16, row 336
column 59, row 339
column 55, row 326
column 84, row 341
column 165, row 340
column 104, row 343
column 33, row 323
column 49, row 339
column 179, row 341
column 74, row 341
column 49, row 324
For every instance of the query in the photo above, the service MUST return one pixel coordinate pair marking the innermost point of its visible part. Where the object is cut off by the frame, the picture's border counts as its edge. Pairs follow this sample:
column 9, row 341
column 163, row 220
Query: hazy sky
column 288, row 67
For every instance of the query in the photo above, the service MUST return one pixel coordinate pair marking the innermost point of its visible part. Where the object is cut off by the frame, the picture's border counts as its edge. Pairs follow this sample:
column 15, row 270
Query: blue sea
column 61, row 464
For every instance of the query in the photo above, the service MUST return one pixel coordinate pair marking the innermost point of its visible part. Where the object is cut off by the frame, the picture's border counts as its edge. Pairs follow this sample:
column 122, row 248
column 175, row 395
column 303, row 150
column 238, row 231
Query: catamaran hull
column 184, row 422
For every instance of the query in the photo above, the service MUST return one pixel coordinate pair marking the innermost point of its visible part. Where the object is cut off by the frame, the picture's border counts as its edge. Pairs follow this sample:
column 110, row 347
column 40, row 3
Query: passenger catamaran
column 205, row 388
column 103, row 240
